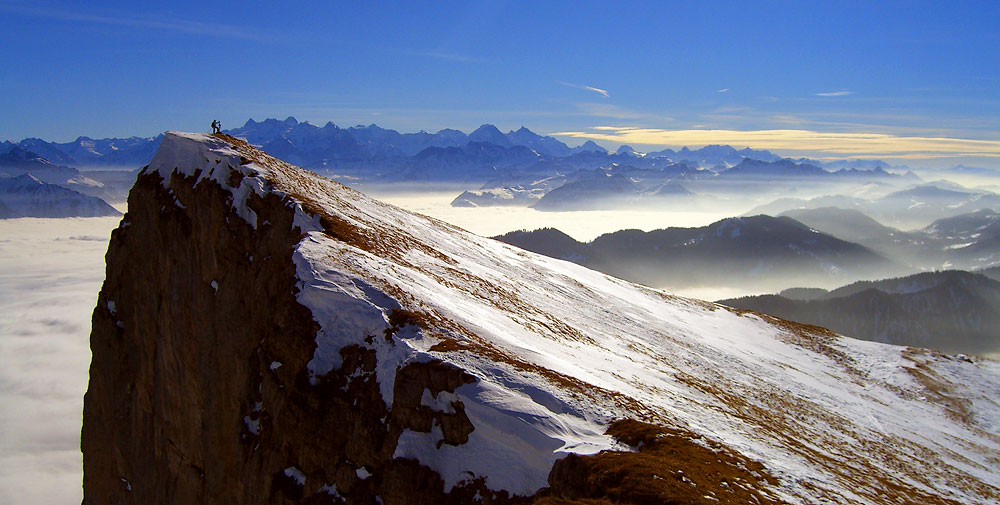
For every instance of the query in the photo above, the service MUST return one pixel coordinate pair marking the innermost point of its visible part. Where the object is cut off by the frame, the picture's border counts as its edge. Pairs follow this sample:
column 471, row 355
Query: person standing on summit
column 216, row 126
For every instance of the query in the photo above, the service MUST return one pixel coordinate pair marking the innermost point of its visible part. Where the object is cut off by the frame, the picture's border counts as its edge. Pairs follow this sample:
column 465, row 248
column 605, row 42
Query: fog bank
column 50, row 273
column 581, row 225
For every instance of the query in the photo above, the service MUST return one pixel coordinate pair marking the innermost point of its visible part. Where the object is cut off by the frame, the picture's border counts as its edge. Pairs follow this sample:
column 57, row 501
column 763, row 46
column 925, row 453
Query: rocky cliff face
column 268, row 336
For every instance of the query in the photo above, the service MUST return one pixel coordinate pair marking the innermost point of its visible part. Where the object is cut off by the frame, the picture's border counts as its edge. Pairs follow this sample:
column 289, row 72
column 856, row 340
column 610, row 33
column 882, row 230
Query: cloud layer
column 804, row 142
column 50, row 273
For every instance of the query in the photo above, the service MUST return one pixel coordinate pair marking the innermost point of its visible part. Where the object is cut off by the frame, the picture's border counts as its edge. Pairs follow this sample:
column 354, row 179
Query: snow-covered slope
column 553, row 353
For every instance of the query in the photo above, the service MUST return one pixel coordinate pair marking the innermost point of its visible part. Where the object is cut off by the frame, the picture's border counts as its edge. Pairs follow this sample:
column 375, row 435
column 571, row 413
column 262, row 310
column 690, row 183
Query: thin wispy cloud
column 836, row 93
column 602, row 92
column 723, row 90
column 159, row 22
column 854, row 144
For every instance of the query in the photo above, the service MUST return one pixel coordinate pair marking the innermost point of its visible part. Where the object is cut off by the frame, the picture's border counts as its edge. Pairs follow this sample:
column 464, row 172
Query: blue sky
column 614, row 71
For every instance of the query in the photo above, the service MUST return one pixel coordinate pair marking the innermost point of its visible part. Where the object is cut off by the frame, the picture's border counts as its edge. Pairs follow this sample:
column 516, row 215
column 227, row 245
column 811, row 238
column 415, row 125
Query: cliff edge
column 265, row 335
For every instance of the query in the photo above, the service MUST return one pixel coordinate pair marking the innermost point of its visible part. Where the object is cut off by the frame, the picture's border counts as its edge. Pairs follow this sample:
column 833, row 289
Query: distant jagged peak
column 590, row 146
column 490, row 134
column 371, row 127
column 523, row 134
column 627, row 150
column 718, row 148
column 487, row 129
column 289, row 121
column 784, row 166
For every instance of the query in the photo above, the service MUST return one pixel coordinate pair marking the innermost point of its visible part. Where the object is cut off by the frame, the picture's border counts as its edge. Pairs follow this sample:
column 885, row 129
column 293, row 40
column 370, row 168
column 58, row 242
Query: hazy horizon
column 833, row 80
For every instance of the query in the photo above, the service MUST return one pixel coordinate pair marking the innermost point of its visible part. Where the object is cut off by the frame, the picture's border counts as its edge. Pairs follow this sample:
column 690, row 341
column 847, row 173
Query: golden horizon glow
column 856, row 144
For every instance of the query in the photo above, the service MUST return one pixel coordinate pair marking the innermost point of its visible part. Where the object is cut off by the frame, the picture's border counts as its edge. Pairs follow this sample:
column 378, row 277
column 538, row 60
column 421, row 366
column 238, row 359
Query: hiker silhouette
column 216, row 126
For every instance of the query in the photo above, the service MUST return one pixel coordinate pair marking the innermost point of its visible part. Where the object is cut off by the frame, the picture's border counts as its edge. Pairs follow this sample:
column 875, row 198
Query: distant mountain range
column 645, row 182
column 26, row 196
column 109, row 185
column 330, row 146
column 979, row 171
column 913, row 207
column 517, row 167
column 750, row 251
column 384, row 153
column 965, row 241
column 953, row 311
column 84, row 152
column 600, row 189
column 303, row 143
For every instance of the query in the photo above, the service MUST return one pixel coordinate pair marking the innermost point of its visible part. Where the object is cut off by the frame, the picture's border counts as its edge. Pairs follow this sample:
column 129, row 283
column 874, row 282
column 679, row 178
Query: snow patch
column 443, row 402
column 330, row 489
column 344, row 313
column 253, row 425
column 514, row 444
column 296, row 475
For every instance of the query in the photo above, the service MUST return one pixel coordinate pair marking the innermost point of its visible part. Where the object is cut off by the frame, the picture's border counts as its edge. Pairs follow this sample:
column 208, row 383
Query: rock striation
column 264, row 335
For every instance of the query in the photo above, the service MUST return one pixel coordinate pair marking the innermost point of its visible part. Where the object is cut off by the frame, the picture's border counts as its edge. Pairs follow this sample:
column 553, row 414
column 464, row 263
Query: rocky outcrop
column 199, row 390
column 264, row 335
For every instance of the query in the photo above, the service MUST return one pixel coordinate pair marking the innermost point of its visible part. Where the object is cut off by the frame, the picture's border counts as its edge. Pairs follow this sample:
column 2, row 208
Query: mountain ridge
column 964, row 241
column 285, row 339
column 953, row 311
column 733, row 250
column 372, row 140
column 27, row 196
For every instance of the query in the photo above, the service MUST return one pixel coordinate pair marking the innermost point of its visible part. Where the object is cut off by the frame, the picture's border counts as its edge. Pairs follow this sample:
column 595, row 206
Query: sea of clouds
column 50, row 273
